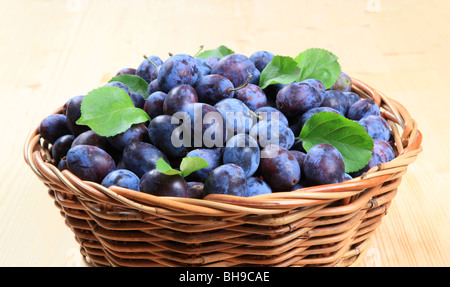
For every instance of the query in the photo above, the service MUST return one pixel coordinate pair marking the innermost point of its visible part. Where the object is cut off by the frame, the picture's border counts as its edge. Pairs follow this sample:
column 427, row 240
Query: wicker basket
column 328, row 225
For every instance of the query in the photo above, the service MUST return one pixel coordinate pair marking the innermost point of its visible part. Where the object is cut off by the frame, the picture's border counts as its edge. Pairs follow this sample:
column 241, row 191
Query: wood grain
column 53, row 50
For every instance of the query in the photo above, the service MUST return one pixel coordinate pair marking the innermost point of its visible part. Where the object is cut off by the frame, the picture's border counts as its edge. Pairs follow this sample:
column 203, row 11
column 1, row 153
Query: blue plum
column 308, row 114
column 316, row 84
column 252, row 96
column 376, row 126
column 226, row 179
column 159, row 184
column 53, row 127
column 123, row 178
column 160, row 132
column 279, row 168
column 352, row 97
column 61, row 147
column 237, row 68
column 261, row 59
column 244, row 151
column 154, row 105
column 73, row 113
column 178, row 98
column 119, row 85
column 180, row 69
column 90, row 137
column 195, row 189
column 89, row 162
column 141, row 157
column 383, row 149
column 213, row 88
column 147, row 67
column 237, row 116
column 256, row 186
column 363, row 108
column 207, row 125
column 137, row 132
column 213, row 157
column 296, row 98
column 137, row 99
column 324, row 164
column 126, row 71
column 268, row 113
column 272, row 132
column 343, row 83
column 336, row 100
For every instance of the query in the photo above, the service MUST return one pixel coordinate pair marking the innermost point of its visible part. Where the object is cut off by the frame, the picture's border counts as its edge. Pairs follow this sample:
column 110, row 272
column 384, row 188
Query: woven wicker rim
column 407, row 139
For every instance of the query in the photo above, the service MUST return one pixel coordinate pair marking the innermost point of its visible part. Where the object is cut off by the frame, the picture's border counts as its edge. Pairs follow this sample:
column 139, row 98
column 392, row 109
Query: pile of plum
column 244, row 157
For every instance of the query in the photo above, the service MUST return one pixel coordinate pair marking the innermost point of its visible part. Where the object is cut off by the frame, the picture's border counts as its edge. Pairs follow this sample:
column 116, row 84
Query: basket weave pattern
column 328, row 225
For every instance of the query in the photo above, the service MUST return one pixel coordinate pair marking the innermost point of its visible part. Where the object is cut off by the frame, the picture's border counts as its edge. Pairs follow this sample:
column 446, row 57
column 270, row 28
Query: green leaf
column 163, row 167
column 280, row 70
column 109, row 111
column 192, row 163
column 350, row 138
column 318, row 64
column 188, row 165
column 135, row 83
column 220, row 52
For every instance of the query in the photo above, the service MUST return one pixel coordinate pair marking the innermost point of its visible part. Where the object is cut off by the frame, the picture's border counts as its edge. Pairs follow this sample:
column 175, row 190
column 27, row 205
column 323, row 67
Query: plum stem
column 150, row 61
column 245, row 84
column 196, row 54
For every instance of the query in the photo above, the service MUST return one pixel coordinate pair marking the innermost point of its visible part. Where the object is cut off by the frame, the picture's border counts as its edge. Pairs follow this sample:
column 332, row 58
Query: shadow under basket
column 327, row 225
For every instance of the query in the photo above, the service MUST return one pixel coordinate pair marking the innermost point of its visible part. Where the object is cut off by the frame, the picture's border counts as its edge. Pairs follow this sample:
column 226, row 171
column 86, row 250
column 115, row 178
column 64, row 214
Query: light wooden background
column 51, row 51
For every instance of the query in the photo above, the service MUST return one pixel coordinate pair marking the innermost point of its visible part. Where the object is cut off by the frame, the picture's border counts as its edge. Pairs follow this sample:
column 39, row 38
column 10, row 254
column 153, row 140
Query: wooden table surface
column 53, row 50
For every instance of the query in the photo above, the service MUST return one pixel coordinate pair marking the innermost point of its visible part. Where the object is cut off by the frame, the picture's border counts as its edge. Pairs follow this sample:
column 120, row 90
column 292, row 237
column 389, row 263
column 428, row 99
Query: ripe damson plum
column 90, row 137
column 119, row 85
column 316, row 84
column 53, row 127
column 212, row 61
column 178, row 98
column 73, row 113
column 296, row 98
column 237, row 116
column 126, row 71
column 352, row 97
column 226, row 179
column 207, row 125
column 137, row 99
column 195, row 189
column 279, row 168
column 180, row 69
column 203, row 68
column 154, row 104
column 374, row 160
column 137, row 132
column 256, row 186
column 308, row 114
column 252, row 96
column 300, row 156
column 141, row 157
column 268, row 113
column 376, row 126
column 213, row 157
column 146, row 68
column 261, row 59
column 160, row 132
column 363, row 108
column 237, row 68
column 343, row 83
column 324, row 164
column 272, row 132
column 214, row 88
column 244, row 151
column 123, row 178
column 336, row 100
column 160, row 184
column 153, row 86
column 383, row 149
column 89, row 162
column 61, row 147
